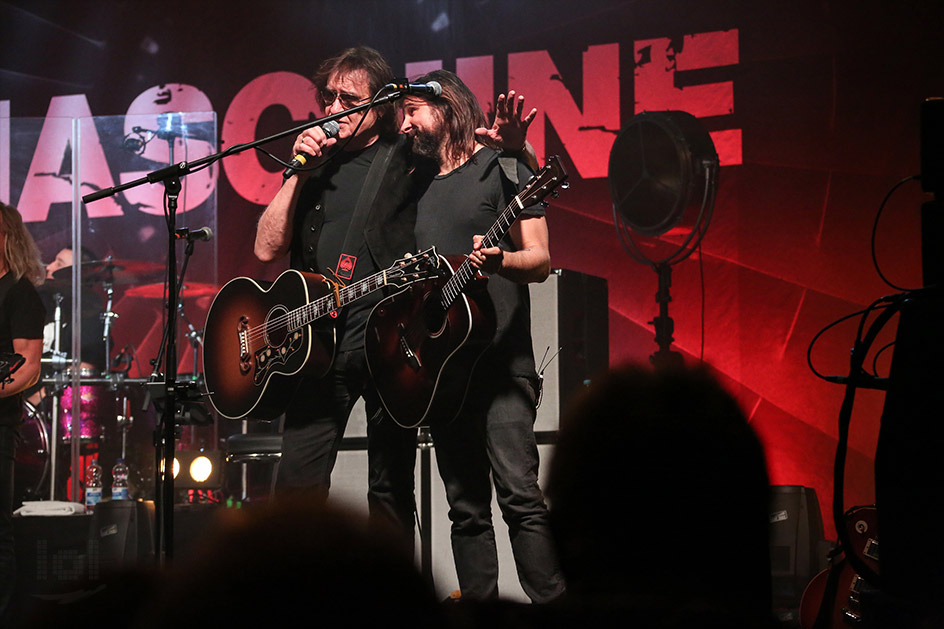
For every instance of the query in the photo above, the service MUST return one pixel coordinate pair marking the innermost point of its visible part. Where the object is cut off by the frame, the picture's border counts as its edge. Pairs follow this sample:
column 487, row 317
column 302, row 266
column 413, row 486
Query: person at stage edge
column 362, row 177
column 494, row 431
column 21, row 332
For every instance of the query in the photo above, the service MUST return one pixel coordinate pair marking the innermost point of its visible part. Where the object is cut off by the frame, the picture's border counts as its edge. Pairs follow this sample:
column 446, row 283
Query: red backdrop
column 813, row 105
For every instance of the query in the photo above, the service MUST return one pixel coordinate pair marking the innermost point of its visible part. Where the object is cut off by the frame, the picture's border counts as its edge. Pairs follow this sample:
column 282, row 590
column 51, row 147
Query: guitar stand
column 424, row 442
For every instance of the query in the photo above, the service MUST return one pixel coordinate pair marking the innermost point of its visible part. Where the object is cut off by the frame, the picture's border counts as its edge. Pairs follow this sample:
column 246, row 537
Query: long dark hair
column 378, row 74
column 19, row 250
column 459, row 111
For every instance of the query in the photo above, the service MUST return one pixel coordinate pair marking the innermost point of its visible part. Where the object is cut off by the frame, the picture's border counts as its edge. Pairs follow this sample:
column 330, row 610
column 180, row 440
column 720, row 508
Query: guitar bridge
column 411, row 357
column 242, row 332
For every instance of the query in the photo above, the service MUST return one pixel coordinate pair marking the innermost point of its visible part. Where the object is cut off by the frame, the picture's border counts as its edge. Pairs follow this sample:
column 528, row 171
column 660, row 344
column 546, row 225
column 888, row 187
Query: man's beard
column 428, row 143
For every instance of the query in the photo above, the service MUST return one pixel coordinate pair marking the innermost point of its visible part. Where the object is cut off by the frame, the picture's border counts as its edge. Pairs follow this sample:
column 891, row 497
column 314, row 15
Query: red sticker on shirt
column 346, row 264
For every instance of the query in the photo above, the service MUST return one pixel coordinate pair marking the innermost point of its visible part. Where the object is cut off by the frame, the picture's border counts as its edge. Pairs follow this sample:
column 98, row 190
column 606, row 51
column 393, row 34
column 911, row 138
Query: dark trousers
column 313, row 430
column 494, row 434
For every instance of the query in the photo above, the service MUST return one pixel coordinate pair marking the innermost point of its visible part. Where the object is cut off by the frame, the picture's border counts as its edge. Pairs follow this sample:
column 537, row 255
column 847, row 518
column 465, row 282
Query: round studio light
column 200, row 469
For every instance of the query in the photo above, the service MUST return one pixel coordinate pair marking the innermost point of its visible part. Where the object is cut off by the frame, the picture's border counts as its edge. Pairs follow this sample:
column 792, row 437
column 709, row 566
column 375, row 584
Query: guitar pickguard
column 270, row 357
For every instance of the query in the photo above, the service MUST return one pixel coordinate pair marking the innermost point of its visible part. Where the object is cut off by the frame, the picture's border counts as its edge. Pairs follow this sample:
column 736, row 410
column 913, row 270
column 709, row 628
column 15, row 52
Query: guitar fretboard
column 300, row 317
column 464, row 274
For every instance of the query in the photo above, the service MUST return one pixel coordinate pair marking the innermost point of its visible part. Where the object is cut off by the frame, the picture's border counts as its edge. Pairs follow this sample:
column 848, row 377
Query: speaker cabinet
column 797, row 545
column 123, row 533
column 570, row 312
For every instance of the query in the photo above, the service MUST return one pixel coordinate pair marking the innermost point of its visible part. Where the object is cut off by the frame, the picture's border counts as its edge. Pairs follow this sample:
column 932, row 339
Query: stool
column 254, row 448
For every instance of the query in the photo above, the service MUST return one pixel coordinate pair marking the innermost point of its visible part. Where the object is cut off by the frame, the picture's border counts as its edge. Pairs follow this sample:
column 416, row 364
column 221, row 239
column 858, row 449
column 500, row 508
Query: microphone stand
column 170, row 176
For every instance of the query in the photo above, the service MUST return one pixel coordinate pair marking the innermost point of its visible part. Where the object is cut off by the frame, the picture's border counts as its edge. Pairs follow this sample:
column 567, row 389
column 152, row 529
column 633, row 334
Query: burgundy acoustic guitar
column 422, row 343
column 259, row 339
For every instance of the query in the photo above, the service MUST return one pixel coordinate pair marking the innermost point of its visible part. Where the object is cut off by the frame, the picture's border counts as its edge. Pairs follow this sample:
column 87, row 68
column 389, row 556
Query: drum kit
column 111, row 407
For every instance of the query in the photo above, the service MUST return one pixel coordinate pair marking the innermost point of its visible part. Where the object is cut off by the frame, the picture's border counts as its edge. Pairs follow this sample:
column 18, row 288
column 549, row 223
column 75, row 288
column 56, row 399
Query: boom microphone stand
column 170, row 177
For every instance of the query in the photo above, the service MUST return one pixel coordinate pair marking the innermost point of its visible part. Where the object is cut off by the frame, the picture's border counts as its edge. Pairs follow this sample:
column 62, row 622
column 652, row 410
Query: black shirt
column 465, row 202
column 326, row 208
column 21, row 317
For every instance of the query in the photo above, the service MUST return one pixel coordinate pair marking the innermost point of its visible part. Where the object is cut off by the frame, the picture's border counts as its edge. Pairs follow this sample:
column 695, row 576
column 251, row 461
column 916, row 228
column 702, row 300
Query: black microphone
column 433, row 88
column 330, row 130
column 122, row 361
column 204, row 233
column 133, row 145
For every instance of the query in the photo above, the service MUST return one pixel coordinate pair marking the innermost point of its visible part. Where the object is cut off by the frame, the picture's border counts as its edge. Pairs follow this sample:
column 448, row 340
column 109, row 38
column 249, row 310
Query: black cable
column 859, row 351
column 701, row 273
column 809, row 351
column 878, row 215
column 877, row 354
column 334, row 153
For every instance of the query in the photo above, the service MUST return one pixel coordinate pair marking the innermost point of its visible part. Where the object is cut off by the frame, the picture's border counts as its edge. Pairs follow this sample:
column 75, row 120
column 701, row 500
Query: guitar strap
column 509, row 166
column 828, row 603
column 355, row 232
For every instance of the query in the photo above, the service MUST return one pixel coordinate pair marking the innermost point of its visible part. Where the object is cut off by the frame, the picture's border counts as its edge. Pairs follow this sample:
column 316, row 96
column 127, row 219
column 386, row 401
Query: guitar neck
column 300, row 317
column 464, row 274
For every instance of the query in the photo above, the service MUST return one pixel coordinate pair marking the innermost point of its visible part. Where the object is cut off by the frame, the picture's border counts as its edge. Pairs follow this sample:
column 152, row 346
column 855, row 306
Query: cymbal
column 156, row 291
column 110, row 270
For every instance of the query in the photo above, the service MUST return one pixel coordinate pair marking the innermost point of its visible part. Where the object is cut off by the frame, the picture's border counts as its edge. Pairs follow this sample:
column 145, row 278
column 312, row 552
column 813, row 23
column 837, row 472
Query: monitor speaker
column 797, row 545
column 570, row 313
column 122, row 531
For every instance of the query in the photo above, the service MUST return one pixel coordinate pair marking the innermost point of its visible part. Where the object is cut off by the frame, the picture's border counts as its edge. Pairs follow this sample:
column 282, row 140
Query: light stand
column 657, row 163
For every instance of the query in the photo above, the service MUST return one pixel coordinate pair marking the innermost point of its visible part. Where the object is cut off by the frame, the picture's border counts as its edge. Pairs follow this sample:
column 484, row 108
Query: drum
column 97, row 408
column 31, row 468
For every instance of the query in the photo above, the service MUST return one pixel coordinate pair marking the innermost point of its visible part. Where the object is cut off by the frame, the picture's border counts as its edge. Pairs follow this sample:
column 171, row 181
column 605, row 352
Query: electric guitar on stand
column 259, row 339
column 423, row 342
column 832, row 598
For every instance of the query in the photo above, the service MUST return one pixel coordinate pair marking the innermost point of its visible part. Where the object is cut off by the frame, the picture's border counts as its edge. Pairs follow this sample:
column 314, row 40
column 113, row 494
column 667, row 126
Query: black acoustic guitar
column 258, row 339
column 422, row 343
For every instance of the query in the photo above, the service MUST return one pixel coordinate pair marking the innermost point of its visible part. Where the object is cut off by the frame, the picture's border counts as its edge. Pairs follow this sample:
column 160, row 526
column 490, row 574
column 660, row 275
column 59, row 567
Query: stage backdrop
column 813, row 107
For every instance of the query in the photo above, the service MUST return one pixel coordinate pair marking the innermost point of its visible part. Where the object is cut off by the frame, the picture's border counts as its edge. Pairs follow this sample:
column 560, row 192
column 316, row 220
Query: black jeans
column 313, row 430
column 494, row 434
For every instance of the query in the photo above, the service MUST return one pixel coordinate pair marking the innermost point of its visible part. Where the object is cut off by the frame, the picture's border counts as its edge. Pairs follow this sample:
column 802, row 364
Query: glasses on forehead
column 347, row 100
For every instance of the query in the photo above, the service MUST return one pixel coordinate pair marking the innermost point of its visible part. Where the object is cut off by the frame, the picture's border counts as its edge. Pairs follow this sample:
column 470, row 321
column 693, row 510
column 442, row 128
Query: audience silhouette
column 659, row 498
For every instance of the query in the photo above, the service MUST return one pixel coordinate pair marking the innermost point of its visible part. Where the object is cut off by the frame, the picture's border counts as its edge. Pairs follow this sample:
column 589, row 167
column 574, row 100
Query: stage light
column 201, row 469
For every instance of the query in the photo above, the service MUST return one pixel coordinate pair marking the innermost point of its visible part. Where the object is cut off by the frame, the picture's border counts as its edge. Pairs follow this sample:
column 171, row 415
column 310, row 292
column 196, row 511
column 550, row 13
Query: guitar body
column 862, row 526
column 420, row 362
column 249, row 353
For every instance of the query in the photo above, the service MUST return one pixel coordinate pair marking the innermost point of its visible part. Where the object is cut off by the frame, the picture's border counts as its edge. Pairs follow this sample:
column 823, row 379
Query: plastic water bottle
column 119, row 481
column 93, row 485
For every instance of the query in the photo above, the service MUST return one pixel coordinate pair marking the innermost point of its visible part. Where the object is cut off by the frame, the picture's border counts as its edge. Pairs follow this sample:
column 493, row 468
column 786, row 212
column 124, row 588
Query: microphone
column 204, row 233
column 433, row 88
column 132, row 144
column 122, row 361
column 330, row 130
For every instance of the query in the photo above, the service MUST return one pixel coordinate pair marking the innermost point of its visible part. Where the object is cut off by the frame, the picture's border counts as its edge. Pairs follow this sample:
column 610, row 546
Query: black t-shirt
column 465, row 202
column 334, row 194
column 93, row 325
column 21, row 317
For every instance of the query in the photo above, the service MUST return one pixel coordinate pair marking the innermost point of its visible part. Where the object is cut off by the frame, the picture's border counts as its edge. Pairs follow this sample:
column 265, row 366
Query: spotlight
column 201, row 469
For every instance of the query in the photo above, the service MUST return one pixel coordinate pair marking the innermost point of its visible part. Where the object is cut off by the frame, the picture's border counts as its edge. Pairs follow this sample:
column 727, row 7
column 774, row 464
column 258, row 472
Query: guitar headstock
column 412, row 268
column 544, row 182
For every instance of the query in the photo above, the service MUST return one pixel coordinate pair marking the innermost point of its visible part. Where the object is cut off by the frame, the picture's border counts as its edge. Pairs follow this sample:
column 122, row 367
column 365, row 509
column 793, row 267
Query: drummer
column 92, row 351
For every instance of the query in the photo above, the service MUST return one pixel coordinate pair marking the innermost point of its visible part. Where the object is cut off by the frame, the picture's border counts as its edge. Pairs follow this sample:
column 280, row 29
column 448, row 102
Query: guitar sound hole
column 433, row 316
column 276, row 327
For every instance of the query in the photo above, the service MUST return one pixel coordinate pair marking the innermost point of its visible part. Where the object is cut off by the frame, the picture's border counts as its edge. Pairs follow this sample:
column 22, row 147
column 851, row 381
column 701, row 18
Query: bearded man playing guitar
column 493, row 432
column 312, row 218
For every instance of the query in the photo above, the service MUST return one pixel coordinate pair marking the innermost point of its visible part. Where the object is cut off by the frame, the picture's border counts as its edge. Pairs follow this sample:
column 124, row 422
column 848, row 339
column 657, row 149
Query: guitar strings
column 370, row 284
column 453, row 288
column 255, row 332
